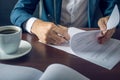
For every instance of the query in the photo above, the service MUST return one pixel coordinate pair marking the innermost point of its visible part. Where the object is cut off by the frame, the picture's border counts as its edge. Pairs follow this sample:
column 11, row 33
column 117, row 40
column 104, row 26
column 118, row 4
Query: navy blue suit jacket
column 50, row 10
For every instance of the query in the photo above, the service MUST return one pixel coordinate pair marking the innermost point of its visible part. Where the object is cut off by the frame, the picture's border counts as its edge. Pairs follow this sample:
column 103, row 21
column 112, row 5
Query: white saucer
column 24, row 49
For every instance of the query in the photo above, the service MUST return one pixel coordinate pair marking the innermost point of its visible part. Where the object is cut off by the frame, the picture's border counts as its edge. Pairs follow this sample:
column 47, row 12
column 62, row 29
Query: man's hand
column 105, row 35
column 49, row 33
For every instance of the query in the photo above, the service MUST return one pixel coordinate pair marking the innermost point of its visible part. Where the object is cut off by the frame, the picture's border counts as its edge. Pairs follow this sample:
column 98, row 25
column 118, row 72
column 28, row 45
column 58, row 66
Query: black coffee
column 8, row 31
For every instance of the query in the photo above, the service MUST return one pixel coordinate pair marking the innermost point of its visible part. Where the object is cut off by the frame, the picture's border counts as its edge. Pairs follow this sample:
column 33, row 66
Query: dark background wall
column 6, row 7
column 118, row 3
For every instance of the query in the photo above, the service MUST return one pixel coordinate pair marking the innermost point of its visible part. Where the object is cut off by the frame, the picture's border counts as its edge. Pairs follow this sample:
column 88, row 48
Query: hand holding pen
column 49, row 33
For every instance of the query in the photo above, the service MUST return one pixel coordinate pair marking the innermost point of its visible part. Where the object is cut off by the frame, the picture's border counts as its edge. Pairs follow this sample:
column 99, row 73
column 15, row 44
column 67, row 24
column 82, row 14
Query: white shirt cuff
column 29, row 23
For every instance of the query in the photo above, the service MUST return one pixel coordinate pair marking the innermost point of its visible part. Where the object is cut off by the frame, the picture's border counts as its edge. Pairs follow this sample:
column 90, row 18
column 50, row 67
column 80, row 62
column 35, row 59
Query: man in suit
column 54, row 13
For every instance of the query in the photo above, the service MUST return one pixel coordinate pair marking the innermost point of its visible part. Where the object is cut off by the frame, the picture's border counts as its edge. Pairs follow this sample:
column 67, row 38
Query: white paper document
column 114, row 18
column 11, row 72
column 84, row 45
column 61, row 72
column 53, row 72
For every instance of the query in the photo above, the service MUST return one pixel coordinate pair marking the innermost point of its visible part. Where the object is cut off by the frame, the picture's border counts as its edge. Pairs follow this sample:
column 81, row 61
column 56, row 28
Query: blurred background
column 118, row 3
column 6, row 7
column 5, row 10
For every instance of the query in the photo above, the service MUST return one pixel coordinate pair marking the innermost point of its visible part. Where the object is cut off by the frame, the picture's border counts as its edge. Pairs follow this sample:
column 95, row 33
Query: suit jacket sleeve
column 107, row 6
column 22, row 11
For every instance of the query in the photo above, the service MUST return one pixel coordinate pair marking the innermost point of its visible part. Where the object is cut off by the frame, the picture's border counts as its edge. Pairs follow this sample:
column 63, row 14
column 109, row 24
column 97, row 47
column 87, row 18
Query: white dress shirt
column 74, row 13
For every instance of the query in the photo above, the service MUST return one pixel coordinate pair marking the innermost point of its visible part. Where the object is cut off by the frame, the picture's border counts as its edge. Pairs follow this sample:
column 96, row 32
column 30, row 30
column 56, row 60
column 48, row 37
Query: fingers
column 102, row 24
column 103, row 38
column 60, row 34
column 58, row 39
column 49, row 33
column 105, row 34
column 53, row 38
column 63, row 32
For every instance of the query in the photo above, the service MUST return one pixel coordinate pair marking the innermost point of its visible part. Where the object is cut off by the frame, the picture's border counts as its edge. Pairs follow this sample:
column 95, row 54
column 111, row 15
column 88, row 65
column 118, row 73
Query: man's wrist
column 29, row 23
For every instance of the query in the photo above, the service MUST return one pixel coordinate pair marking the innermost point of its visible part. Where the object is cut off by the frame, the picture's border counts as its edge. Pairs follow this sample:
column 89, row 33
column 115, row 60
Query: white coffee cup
column 10, row 37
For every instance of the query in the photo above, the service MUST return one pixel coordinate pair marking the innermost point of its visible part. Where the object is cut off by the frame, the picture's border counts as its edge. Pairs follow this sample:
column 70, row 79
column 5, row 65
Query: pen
column 52, row 20
column 60, row 35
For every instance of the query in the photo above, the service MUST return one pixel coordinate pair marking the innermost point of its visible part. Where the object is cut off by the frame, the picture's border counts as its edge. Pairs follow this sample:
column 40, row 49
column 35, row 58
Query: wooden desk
column 42, row 55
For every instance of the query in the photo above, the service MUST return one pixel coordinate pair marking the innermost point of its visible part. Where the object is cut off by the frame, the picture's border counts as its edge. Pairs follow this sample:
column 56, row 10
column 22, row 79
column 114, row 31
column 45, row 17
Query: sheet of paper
column 66, row 47
column 53, row 72
column 114, row 18
column 10, row 72
column 84, row 44
column 61, row 72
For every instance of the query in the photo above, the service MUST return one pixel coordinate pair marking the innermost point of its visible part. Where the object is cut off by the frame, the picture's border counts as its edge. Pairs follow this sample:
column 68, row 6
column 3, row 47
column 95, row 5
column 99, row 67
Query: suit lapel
column 91, row 10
